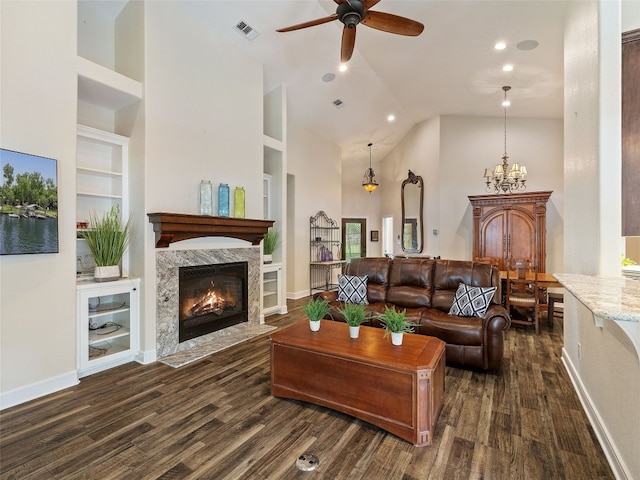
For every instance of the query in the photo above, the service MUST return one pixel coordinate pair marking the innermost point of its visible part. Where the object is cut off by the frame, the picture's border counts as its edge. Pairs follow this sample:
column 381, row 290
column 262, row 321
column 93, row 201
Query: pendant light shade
column 369, row 183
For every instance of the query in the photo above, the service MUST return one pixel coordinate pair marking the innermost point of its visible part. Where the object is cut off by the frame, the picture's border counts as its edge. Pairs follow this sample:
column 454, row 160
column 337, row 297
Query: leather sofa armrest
column 496, row 318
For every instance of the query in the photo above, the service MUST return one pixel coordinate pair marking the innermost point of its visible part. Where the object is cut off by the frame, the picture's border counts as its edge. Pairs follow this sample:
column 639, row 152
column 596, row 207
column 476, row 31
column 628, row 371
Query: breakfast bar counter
column 611, row 298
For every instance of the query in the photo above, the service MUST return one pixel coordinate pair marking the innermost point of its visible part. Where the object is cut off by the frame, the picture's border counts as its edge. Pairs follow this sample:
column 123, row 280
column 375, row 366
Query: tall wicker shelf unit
column 324, row 237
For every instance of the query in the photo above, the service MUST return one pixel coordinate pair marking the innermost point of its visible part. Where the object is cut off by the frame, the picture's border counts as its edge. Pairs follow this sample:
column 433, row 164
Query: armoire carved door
column 510, row 226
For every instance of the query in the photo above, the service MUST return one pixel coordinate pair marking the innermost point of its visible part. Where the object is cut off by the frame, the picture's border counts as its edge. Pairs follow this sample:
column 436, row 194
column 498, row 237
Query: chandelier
column 503, row 179
column 369, row 183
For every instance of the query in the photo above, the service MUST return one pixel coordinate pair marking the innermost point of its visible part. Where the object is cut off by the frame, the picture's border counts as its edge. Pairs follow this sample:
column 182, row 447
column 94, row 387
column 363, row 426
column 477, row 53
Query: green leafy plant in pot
column 316, row 309
column 269, row 244
column 396, row 324
column 354, row 315
column 107, row 239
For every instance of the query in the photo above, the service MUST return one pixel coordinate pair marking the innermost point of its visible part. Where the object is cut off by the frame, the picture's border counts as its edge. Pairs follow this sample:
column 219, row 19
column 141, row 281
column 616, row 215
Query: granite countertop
column 613, row 298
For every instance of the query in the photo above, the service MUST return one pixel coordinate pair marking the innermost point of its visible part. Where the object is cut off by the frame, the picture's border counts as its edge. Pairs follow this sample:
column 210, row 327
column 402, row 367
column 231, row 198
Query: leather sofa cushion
column 451, row 273
column 377, row 269
column 452, row 329
column 410, row 282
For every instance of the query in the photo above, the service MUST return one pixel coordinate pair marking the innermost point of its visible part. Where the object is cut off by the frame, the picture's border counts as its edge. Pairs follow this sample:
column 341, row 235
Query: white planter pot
column 106, row 274
column 354, row 332
column 267, row 258
column 314, row 326
column 396, row 338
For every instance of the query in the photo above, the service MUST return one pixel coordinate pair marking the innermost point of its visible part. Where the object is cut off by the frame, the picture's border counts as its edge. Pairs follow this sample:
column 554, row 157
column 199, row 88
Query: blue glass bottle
column 223, row 200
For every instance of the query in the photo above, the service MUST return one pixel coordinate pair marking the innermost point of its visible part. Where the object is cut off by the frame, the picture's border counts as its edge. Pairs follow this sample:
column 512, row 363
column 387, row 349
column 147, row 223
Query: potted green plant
column 269, row 244
column 354, row 315
column 107, row 239
column 396, row 324
column 316, row 309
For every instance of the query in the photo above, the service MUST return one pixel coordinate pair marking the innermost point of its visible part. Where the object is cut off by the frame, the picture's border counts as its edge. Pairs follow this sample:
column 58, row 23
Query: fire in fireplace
column 212, row 297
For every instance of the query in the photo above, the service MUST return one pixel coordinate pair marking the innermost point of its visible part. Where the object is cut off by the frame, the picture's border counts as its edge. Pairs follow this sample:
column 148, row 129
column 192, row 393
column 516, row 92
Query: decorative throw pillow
column 471, row 301
column 352, row 289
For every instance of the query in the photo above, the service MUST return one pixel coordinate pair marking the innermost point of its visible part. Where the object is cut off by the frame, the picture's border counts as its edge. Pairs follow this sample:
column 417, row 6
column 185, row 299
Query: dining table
column 545, row 280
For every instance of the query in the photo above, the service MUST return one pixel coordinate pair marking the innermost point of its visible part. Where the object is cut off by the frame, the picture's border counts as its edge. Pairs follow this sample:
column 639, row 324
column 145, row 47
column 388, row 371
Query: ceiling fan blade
column 348, row 42
column 388, row 22
column 310, row 23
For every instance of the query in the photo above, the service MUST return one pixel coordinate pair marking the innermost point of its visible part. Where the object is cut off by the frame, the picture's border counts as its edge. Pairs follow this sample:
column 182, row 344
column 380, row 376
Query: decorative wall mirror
column 412, row 223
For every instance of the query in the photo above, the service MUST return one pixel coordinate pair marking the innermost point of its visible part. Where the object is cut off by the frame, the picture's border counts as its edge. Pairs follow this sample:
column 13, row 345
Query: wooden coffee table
column 397, row 388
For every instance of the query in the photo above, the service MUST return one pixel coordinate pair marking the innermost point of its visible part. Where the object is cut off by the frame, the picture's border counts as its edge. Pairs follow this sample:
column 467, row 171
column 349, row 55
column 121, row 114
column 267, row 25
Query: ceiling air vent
column 246, row 30
column 337, row 102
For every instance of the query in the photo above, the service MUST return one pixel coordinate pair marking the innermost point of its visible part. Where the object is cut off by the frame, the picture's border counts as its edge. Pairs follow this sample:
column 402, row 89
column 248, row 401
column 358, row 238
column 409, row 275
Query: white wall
column 602, row 361
column 418, row 151
column 451, row 153
column 471, row 144
column 314, row 170
column 203, row 120
column 38, row 116
column 358, row 203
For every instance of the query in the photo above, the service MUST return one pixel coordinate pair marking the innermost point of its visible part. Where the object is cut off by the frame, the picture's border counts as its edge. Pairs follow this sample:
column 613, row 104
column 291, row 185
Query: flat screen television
column 28, row 204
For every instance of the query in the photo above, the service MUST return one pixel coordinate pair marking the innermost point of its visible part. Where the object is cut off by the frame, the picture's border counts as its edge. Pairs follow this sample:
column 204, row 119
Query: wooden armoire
column 510, row 226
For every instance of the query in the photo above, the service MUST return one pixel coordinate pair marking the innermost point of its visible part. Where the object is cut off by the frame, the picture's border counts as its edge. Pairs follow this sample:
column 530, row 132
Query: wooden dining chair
column 522, row 295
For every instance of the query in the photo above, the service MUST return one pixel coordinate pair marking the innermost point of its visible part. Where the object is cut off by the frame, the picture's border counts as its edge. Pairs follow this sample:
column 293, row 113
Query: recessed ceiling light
column 500, row 46
column 507, row 68
column 343, row 67
column 391, row 117
column 527, row 45
column 328, row 77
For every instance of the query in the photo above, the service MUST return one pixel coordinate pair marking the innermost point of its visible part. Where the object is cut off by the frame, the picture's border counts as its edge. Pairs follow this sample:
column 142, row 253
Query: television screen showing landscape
column 28, row 204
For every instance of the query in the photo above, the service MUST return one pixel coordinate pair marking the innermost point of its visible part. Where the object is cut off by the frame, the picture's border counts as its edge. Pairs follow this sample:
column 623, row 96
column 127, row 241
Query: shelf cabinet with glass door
column 108, row 324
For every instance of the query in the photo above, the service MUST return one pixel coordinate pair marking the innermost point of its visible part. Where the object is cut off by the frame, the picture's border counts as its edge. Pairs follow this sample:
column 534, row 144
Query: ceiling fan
column 353, row 12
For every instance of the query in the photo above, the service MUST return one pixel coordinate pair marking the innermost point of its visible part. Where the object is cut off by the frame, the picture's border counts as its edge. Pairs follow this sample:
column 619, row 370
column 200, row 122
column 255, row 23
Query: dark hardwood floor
column 215, row 419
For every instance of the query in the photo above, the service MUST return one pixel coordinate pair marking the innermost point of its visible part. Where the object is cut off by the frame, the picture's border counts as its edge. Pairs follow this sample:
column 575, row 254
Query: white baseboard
column 146, row 357
column 38, row 389
column 297, row 295
column 619, row 468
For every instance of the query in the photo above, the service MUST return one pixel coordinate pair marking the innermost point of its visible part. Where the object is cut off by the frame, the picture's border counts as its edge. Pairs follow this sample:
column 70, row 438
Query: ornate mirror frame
column 412, row 197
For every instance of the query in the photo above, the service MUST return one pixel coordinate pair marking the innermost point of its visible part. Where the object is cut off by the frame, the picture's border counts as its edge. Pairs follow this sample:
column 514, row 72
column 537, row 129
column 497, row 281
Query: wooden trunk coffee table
column 397, row 388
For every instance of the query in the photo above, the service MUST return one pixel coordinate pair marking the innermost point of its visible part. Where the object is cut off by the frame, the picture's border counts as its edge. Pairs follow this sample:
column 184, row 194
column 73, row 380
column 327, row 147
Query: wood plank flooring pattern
column 215, row 419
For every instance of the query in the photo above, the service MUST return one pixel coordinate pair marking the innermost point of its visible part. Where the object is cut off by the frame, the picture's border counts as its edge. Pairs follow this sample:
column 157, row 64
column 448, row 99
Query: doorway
column 354, row 238
column 387, row 236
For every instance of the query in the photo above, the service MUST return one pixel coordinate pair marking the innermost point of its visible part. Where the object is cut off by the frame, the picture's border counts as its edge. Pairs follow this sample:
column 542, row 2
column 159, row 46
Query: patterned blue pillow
column 471, row 301
column 352, row 289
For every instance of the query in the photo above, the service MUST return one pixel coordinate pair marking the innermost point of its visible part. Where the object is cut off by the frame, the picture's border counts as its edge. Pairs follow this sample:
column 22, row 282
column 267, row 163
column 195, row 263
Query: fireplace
column 211, row 297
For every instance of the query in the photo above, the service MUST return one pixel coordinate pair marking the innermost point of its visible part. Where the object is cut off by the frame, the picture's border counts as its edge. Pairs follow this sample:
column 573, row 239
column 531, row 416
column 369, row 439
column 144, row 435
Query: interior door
column 521, row 236
column 493, row 237
column 354, row 238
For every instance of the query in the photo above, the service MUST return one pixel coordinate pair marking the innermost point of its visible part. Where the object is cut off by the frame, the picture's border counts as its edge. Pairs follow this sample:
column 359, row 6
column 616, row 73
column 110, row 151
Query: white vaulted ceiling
column 452, row 68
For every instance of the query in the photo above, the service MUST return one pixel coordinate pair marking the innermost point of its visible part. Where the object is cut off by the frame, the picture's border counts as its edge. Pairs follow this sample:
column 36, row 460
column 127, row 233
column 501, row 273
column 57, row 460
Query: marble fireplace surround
column 167, row 265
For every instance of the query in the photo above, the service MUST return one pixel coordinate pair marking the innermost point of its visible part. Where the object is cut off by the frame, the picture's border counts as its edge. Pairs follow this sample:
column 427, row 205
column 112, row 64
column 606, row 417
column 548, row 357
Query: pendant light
column 503, row 179
column 369, row 183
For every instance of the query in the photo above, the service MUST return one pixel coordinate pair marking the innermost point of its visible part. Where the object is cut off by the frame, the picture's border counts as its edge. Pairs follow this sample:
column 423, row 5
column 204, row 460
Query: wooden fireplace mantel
column 174, row 227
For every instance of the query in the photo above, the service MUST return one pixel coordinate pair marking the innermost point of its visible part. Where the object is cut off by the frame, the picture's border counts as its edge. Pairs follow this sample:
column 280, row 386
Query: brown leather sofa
column 426, row 289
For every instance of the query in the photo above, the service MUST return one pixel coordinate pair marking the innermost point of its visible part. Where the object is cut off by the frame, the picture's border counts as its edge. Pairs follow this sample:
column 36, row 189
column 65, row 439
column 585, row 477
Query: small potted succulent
column 107, row 239
column 316, row 309
column 396, row 323
column 269, row 244
column 354, row 315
